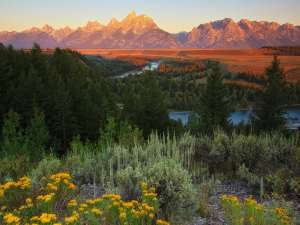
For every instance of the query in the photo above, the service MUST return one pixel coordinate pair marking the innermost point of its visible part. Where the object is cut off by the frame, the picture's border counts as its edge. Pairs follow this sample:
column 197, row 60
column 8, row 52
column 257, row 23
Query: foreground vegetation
column 58, row 113
column 251, row 212
column 54, row 201
column 179, row 168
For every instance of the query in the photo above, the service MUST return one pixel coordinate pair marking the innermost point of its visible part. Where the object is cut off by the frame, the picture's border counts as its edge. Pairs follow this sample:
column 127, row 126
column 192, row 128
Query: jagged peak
column 221, row 24
column 113, row 22
column 132, row 14
column 33, row 30
column 47, row 28
column 245, row 24
column 245, row 21
column 93, row 26
column 66, row 28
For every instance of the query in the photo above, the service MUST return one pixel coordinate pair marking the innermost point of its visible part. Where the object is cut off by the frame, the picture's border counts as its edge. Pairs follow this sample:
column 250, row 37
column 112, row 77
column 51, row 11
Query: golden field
column 252, row 61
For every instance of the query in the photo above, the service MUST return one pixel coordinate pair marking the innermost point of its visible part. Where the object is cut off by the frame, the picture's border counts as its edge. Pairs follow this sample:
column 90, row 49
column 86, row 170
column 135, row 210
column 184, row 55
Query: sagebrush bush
column 128, row 181
column 82, row 165
column 247, row 150
column 45, row 168
column 174, row 186
column 12, row 167
column 220, row 149
column 250, row 177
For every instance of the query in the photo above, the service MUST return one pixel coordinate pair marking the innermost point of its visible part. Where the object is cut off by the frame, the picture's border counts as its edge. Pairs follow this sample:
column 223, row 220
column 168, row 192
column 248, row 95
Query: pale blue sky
column 170, row 15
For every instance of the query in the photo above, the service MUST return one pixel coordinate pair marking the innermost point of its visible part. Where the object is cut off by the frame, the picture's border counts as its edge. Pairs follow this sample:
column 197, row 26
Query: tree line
column 48, row 99
column 69, row 98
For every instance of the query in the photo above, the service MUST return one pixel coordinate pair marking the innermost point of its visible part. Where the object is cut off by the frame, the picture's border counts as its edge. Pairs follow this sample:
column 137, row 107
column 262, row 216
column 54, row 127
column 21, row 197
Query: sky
column 170, row 15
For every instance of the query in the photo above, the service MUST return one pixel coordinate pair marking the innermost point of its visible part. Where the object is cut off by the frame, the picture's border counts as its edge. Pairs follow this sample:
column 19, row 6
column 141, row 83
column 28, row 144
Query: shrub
column 13, row 139
column 247, row 150
column 206, row 189
column 82, row 166
column 174, row 186
column 219, row 152
column 13, row 167
column 53, row 204
column 244, row 174
column 279, row 181
column 46, row 166
column 253, row 213
column 128, row 180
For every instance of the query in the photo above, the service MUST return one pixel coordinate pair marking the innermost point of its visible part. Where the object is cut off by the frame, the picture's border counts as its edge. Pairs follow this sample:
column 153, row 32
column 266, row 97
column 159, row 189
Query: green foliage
column 37, row 134
column 269, row 115
column 219, row 153
column 248, row 151
column 13, row 140
column 14, row 166
column 174, row 186
column 213, row 106
column 145, row 105
column 46, row 167
column 120, row 132
column 83, row 164
column 279, row 181
column 73, row 97
column 108, row 67
column 206, row 189
column 128, row 181
column 250, row 177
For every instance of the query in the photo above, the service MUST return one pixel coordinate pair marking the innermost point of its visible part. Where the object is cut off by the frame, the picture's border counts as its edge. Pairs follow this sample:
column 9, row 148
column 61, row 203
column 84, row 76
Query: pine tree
column 37, row 134
column 13, row 139
column 269, row 113
column 145, row 105
column 214, row 107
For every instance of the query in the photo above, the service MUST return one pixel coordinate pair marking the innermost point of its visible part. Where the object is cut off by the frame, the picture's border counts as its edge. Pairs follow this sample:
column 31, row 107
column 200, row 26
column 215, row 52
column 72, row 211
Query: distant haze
column 172, row 16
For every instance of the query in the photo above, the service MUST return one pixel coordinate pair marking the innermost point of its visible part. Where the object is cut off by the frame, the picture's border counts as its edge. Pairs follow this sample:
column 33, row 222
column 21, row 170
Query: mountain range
column 141, row 32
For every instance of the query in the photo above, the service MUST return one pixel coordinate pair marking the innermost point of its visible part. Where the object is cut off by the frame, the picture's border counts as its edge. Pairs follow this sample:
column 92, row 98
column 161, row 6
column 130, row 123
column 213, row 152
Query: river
column 151, row 66
column 292, row 115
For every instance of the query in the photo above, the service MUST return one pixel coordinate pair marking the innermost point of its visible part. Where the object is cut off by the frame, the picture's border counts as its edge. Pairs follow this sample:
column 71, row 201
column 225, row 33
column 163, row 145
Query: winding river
column 151, row 66
column 292, row 113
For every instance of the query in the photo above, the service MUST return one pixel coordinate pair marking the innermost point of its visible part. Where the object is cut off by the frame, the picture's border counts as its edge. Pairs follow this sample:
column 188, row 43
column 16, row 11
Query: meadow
column 250, row 61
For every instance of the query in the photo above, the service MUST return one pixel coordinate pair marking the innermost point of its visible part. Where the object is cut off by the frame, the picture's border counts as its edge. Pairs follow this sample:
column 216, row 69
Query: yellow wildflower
column 96, row 211
column 72, row 203
column 161, row 222
column 45, row 198
column 11, row 219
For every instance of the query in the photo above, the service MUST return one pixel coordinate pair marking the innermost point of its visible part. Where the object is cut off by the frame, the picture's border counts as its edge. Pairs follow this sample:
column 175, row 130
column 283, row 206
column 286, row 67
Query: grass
column 252, row 61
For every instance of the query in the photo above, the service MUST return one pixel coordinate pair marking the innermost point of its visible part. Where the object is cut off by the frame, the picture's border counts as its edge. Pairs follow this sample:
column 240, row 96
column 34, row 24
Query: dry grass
column 252, row 61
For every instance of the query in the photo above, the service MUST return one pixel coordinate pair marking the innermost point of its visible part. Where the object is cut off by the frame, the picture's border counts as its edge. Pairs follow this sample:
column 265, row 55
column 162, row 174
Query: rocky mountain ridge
column 141, row 32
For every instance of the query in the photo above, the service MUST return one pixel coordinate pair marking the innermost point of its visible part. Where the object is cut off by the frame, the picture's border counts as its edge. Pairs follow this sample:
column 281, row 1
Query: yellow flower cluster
column 10, row 218
column 73, row 218
column 23, row 183
column 251, row 212
column 39, row 207
column 45, row 218
column 58, row 179
column 283, row 216
column 96, row 211
column 45, row 198
column 161, row 222
column 28, row 204
column 253, row 205
column 72, row 203
column 231, row 199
